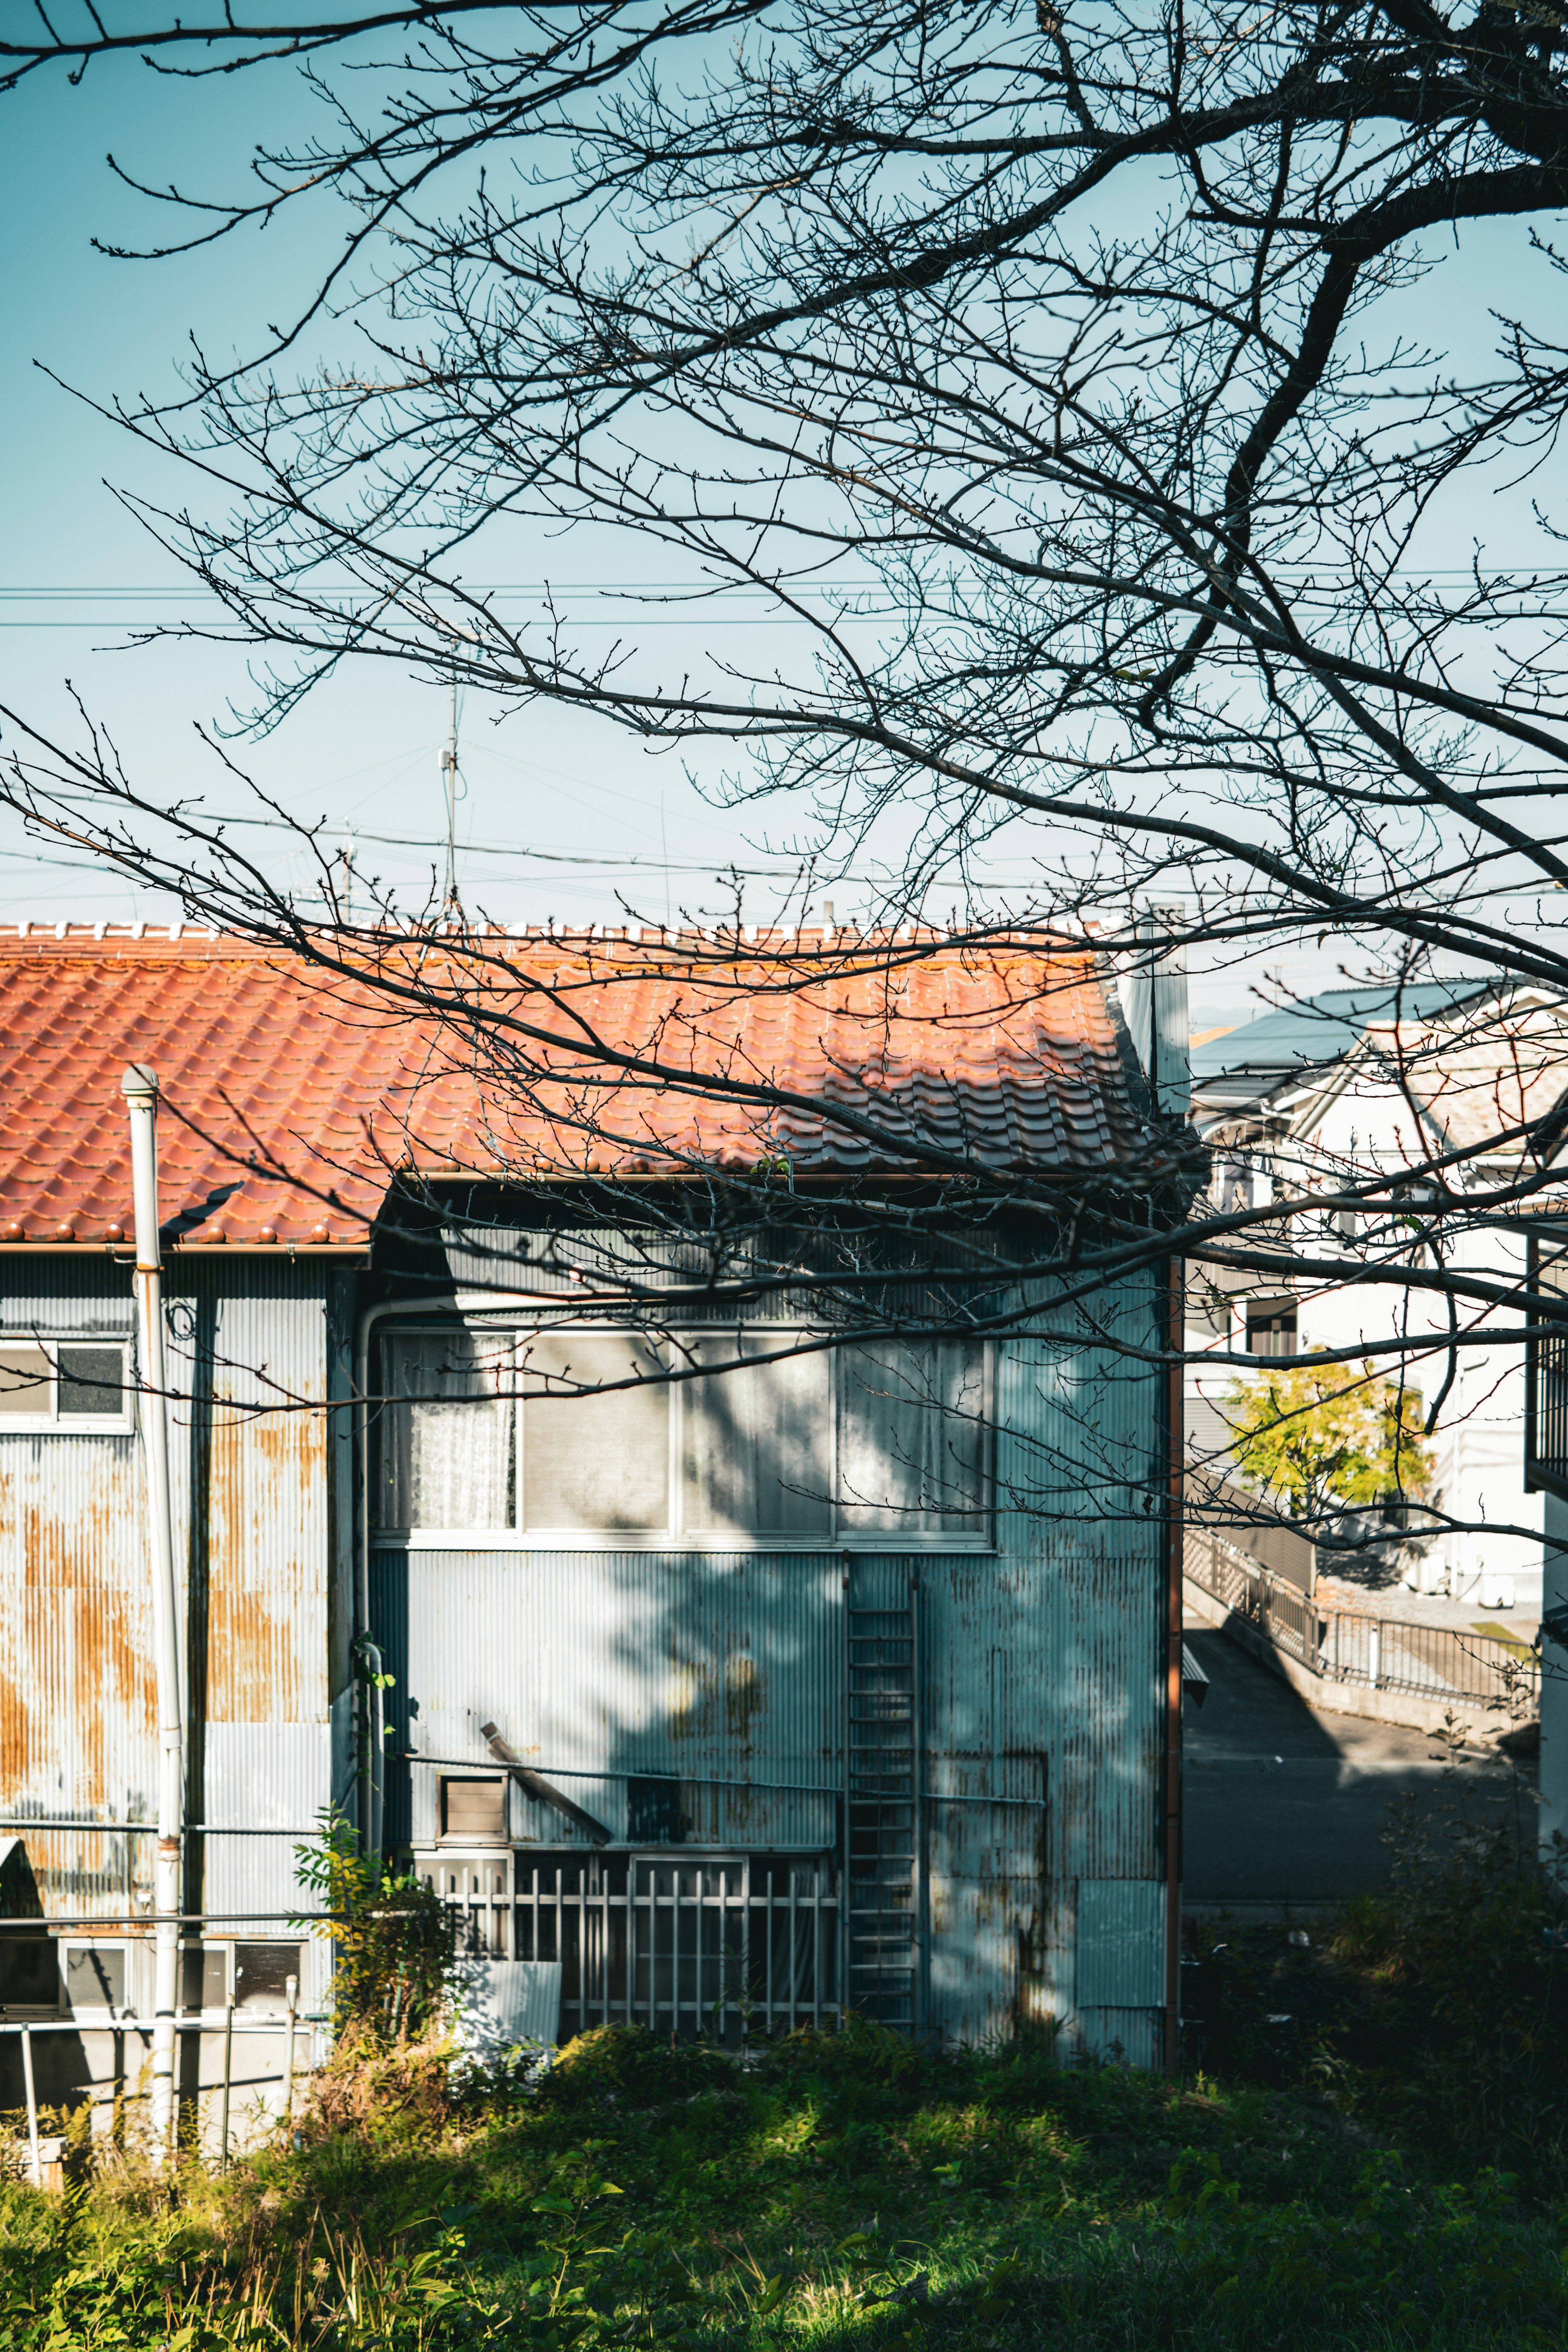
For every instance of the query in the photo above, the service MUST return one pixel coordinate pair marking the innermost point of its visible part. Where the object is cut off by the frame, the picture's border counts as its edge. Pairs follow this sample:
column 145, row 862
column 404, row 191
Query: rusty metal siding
column 688, row 1671
column 254, row 1541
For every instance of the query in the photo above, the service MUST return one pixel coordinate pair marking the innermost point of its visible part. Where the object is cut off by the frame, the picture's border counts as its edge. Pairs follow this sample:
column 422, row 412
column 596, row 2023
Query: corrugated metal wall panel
column 261, row 1776
column 1079, row 1621
column 252, row 1548
column 1120, row 1943
column 1042, row 1687
column 671, row 1667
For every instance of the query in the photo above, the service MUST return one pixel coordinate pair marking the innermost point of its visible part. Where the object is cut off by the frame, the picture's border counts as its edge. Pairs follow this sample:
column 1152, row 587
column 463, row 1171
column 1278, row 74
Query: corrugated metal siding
column 1077, row 1445
column 1042, row 1696
column 252, row 1538
column 1120, row 1943
column 663, row 1666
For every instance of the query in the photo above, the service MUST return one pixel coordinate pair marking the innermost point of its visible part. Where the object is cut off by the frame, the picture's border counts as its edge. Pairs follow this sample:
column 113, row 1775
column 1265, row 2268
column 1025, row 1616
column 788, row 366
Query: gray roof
column 1250, row 1060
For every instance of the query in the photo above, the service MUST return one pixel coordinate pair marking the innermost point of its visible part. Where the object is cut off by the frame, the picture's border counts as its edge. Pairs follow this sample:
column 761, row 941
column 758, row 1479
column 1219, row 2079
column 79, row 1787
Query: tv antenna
column 451, row 903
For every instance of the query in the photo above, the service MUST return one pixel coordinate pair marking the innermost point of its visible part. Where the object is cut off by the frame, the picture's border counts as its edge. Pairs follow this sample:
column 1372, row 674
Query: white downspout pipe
column 140, row 1087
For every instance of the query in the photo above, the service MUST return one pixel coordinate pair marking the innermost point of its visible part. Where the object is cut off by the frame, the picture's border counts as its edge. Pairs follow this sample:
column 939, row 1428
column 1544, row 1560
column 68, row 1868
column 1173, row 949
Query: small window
column 29, row 1970
column 203, row 1976
column 54, row 1384
column 27, row 1383
column 91, row 1383
column 1347, row 1223
column 95, row 1976
column 474, row 1811
column 1271, row 1326
column 261, row 1974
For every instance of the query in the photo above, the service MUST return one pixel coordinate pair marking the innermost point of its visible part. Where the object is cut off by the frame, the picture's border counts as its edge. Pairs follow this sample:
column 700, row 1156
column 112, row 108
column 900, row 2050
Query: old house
column 753, row 1651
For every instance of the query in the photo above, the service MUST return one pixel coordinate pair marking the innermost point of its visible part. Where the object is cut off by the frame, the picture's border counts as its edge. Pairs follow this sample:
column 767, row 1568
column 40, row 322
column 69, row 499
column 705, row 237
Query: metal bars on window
column 730, row 1946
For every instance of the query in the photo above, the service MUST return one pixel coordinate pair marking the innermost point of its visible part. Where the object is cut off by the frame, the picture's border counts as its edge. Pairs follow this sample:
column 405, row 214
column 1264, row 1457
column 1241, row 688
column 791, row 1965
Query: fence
column 725, row 1944
column 1344, row 1646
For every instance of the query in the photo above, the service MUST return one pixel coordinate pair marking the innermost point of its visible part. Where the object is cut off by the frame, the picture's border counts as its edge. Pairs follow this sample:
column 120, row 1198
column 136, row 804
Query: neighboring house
column 1450, row 1073
column 839, row 1678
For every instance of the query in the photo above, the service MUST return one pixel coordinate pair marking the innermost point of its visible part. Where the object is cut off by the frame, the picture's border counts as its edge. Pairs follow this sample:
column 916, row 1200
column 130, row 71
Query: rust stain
column 267, row 1476
column 692, row 1699
column 743, row 1697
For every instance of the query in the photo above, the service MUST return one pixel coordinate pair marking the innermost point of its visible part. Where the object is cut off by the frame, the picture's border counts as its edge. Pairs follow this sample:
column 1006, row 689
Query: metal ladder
column 882, row 1876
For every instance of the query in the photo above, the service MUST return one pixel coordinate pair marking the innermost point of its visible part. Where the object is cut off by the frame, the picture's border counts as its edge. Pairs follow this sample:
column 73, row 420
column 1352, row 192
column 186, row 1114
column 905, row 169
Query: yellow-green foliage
column 392, row 1938
column 1329, row 1435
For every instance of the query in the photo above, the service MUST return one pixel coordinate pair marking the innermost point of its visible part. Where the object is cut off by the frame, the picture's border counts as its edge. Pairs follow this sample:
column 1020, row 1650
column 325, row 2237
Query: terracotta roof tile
column 290, row 1097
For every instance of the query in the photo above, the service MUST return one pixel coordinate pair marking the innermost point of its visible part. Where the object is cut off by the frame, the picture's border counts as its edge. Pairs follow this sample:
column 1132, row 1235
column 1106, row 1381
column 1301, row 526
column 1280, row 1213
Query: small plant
column 394, row 1940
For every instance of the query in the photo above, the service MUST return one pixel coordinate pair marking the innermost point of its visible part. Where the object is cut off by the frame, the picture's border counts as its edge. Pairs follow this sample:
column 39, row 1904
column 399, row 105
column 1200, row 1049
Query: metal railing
column 725, row 1945
column 1344, row 1647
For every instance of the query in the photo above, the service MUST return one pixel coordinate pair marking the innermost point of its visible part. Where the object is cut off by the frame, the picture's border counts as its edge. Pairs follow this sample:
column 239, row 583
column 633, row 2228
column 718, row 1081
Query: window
column 1271, row 1326
column 563, row 1434
column 29, row 1970
column 55, row 1384
column 204, row 1974
column 261, row 1974
column 94, row 1977
column 1546, row 1367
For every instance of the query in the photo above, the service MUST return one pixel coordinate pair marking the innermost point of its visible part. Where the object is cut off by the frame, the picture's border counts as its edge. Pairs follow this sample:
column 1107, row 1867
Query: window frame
column 108, row 2012
column 676, row 1536
column 53, row 1424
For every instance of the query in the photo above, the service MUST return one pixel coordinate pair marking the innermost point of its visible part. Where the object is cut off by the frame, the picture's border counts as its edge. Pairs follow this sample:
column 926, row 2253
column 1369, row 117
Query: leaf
column 773, row 2295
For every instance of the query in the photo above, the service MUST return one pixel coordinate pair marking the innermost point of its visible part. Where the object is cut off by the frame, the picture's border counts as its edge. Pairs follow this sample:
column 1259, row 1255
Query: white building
column 1389, row 1098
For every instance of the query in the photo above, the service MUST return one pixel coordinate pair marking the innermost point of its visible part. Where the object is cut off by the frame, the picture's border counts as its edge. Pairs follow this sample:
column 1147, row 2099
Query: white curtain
column 446, row 1450
column 911, row 1449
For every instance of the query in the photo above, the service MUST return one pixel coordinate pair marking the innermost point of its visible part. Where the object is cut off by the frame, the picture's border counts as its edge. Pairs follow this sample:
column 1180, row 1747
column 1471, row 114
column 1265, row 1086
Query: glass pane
column 23, row 1381
column 91, row 1380
column 757, row 1445
column 446, row 1453
column 599, row 1462
column 911, row 1442
column 29, row 1970
column 261, row 1974
column 95, row 1979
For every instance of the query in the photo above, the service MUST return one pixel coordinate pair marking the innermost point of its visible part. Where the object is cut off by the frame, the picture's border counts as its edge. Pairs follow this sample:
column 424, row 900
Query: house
column 1378, row 1087
column 753, row 1651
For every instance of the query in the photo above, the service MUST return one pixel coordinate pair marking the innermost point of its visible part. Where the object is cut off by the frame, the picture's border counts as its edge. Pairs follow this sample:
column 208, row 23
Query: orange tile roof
column 290, row 1096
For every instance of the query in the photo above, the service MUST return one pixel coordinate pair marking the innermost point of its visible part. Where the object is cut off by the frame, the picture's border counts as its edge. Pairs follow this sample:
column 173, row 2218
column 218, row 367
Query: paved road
column 1286, row 1805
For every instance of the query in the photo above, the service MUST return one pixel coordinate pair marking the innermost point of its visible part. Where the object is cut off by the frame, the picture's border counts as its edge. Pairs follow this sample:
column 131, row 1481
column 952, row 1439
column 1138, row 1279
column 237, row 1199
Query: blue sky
column 364, row 752
column 361, row 753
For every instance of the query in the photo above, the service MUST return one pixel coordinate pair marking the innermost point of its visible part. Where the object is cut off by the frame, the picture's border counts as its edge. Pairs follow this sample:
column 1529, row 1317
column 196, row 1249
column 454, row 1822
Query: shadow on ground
column 1283, row 1804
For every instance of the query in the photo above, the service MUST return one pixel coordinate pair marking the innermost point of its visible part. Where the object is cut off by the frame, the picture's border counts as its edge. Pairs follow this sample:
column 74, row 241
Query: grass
column 1374, row 2154
column 834, row 2191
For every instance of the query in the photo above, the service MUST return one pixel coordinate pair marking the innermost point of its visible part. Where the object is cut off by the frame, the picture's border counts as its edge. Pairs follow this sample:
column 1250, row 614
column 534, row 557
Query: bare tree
column 1036, row 365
